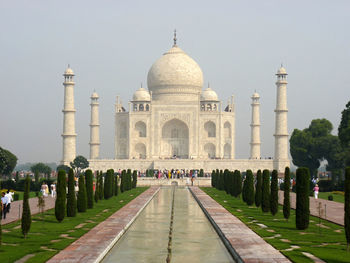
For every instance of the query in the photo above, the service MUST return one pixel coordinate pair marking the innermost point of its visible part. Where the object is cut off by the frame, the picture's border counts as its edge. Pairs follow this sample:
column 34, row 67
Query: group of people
column 45, row 190
column 6, row 199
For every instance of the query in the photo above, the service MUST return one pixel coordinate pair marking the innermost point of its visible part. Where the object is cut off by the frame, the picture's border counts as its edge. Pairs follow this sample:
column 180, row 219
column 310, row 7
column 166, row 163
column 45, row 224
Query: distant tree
column 237, row 183
column 265, row 196
column 221, row 180
column 89, row 189
column 100, row 184
column 302, row 211
column 344, row 133
column 244, row 190
column 79, row 163
column 41, row 168
column 8, row 161
column 128, row 179
column 226, row 181
column 71, row 199
column 108, row 184
column 347, row 206
column 26, row 214
column 122, row 182
column 60, row 203
column 63, row 167
column 286, row 200
column 258, row 189
column 274, row 193
column 17, row 177
column 250, row 187
column 213, row 178
column 232, row 182
column 82, row 197
column 201, row 173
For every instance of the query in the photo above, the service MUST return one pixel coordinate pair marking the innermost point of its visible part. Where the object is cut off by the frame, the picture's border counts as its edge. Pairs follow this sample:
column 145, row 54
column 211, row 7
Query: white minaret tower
column 68, row 135
column 94, row 128
column 255, row 128
column 281, row 129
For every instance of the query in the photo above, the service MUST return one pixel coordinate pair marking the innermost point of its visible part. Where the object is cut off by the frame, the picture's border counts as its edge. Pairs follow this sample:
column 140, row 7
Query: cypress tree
column 122, row 176
column 97, row 187
column 221, row 180
column 82, row 197
column 111, row 186
column 244, row 190
column 201, row 173
column 212, row 178
column 249, row 187
column 107, row 184
column 217, row 173
column 347, row 206
column 226, row 181
column 100, row 184
column 26, row 215
column 274, row 193
column 232, row 177
column 265, row 193
column 60, row 203
column 134, row 179
column 258, row 189
column 116, row 185
column 237, row 183
column 71, row 199
column 286, row 200
column 302, row 211
column 128, row 180
column 89, row 188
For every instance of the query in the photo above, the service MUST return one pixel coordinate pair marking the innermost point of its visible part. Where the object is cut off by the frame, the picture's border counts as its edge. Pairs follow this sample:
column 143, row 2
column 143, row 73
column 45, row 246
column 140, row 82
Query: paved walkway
column 250, row 247
column 17, row 207
column 94, row 245
column 330, row 210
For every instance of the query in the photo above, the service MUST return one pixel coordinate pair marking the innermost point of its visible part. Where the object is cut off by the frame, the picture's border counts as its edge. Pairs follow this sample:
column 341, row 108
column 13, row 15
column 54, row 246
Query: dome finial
column 175, row 39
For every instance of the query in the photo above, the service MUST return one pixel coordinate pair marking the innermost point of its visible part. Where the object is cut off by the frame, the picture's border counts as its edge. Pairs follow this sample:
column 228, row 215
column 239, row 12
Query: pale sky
column 111, row 45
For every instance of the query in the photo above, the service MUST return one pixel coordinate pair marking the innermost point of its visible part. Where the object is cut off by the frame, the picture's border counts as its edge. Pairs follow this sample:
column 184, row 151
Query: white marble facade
column 176, row 124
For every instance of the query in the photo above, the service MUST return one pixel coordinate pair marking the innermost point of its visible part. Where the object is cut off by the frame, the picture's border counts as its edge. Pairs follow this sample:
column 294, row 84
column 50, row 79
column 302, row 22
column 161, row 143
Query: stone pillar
column 255, row 128
column 94, row 128
column 281, row 159
column 68, row 135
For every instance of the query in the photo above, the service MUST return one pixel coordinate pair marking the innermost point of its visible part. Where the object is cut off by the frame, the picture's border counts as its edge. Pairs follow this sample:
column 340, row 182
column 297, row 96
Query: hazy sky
column 111, row 45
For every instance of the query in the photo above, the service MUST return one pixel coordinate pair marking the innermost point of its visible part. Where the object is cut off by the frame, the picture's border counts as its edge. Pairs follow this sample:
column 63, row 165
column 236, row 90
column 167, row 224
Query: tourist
column 53, row 190
column 192, row 179
column 9, row 196
column 4, row 202
column 43, row 189
column 316, row 189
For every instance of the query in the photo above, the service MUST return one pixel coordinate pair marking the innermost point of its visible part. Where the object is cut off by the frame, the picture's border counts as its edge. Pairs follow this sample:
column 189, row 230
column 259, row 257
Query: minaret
column 281, row 130
column 255, row 128
column 68, row 135
column 94, row 128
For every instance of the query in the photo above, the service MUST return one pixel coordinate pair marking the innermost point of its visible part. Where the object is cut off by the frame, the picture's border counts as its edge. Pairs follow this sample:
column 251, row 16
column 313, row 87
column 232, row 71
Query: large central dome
column 175, row 76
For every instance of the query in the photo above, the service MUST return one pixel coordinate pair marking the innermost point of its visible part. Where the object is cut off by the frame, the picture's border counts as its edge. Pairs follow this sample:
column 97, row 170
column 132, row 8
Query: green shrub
column 97, row 187
column 265, row 193
column 26, row 215
column 249, row 195
column 82, row 197
column 274, row 193
column 213, row 178
column 237, row 183
column 134, row 179
column 89, row 189
column 286, row 194
column 258, row 189
column 15, row 196
column 302, row 212
column 226, row 181
column 60, row 203
column 122, row 181
column 71, row 199
column 116, row 185
column 330, row 197
column 100, row 184
column 201, row 173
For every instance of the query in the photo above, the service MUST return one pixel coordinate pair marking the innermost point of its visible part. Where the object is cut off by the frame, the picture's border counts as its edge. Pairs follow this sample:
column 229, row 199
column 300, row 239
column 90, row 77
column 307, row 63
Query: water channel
column 193, row 238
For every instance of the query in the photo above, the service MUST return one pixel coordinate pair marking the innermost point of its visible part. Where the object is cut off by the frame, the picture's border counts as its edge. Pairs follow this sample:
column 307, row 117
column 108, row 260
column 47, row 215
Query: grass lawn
column 337, row 197
column 47, row 237
column 327, row 243
column 31, row 194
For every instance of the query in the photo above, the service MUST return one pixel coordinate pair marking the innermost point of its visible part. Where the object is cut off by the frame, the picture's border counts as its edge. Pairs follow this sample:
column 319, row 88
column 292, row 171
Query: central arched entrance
column 175, row 141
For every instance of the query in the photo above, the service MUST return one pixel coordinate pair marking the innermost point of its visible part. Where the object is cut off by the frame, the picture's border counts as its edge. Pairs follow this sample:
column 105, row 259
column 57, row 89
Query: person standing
column 316, row 189
column 53, row 190
column 4, row 202
column 9, row 200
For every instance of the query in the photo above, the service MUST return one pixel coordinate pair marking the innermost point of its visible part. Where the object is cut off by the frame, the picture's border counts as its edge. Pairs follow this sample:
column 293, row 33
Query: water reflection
column 194, row 239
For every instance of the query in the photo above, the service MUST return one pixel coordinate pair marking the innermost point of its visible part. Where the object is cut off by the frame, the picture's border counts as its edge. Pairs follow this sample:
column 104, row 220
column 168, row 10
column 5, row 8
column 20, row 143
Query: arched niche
column 210, row 150
column 140, row 150
column 175, row 139
column 141, row 129
column 210, row 128
column 227, row 151
column 227, row 130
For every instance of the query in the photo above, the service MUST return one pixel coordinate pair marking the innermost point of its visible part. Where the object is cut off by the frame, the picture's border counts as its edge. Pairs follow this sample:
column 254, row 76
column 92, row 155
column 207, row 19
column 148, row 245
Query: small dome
column 94, row 95
column 255, row 95
column 281, row 71
column 141, row 95
column 69, row 71
column 209, row 95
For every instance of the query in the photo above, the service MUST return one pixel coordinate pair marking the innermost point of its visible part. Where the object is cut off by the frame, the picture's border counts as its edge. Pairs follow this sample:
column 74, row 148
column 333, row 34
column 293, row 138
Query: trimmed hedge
column 249, row 190
column 82, row 197
column 302, row 212
column 286, row 188
column 60, row 203
column 26, row 214
column 71, row 199
column 89, row 189
column 265, row 195
column 274, row 193
column 258, row 189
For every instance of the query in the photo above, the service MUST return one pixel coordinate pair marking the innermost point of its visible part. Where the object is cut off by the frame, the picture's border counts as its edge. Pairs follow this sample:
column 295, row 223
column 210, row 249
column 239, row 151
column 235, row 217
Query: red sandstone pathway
column 17, row 207
column 331, row 211
column 94, row 245
column 250, row 247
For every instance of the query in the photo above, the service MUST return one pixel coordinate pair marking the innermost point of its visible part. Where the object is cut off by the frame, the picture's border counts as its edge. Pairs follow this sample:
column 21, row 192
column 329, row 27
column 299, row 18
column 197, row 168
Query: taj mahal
column 176, row 124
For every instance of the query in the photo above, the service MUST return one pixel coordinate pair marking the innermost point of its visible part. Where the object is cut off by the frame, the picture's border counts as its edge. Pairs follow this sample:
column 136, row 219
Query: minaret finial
column 175, row 39
column 208, row 85
column 141, row 85
column 68, row 65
